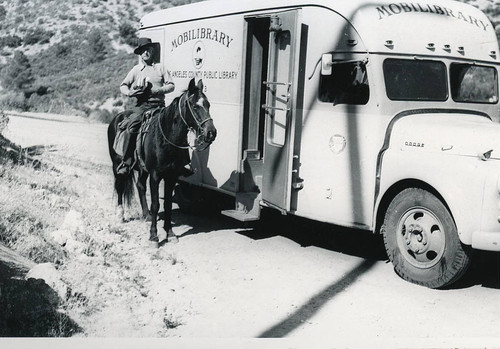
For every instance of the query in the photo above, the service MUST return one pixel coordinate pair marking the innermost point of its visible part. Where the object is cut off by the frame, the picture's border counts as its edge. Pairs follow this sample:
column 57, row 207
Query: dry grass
column 30, row 211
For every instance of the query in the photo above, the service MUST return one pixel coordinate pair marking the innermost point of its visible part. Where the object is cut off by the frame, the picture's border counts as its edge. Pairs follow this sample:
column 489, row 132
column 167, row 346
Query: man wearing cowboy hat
column 148, row 82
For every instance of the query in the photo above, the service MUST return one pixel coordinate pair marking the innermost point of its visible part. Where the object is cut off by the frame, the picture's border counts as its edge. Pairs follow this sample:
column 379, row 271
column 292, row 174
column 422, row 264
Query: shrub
column 11, row 41
column 62, row 49
column 3, row 13
column 13, row 100
column 17, row 74
column 97, row 48
column 128, row 34
column 37, row 36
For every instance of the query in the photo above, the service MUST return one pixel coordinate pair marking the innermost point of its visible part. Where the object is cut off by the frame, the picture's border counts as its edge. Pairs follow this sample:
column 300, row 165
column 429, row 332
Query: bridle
column 199, row 123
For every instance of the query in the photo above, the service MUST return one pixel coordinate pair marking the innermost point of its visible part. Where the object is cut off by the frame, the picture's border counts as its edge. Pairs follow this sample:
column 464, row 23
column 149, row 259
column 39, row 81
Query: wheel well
column 398, row 187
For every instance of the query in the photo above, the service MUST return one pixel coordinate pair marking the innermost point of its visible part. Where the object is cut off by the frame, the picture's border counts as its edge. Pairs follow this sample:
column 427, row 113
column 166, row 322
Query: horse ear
column 200, row 85
column 192, row 85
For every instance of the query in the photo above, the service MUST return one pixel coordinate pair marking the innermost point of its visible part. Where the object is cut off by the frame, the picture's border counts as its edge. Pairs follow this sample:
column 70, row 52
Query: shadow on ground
column 29, row 308
column 484, row 270
column 303, row 231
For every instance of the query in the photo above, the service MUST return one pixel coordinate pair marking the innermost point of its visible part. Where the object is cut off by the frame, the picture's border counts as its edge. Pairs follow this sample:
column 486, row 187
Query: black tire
column 421, row 240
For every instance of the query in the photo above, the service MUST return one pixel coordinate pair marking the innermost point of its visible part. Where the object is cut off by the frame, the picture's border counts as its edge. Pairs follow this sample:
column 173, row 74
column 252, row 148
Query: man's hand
column 140, row 89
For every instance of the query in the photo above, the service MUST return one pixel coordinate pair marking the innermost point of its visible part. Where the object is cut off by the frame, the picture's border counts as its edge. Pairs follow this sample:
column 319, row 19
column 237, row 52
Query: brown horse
column 164, row 152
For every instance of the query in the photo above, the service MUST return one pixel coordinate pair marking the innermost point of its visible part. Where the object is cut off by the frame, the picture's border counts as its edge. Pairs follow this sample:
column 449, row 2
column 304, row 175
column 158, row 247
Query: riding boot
column 125, row 166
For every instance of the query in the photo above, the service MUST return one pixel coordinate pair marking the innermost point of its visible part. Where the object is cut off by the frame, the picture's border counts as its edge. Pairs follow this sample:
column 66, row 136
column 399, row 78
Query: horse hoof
column 172, row 239
column 154, row 244
column 120, row 215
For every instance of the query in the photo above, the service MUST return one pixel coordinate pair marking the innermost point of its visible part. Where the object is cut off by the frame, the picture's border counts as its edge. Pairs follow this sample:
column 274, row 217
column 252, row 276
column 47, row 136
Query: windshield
column 473, row 83
column 415, row 80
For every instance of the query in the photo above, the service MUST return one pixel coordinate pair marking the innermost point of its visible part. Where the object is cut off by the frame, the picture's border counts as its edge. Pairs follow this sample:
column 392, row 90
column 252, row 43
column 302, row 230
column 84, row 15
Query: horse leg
column 119, row 188
column 154, row 182
column 141, row 189
column 167, row 205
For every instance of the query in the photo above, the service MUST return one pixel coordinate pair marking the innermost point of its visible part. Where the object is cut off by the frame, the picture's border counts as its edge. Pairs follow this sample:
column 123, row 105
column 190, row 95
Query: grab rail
column 276, row 83
column 274, row 108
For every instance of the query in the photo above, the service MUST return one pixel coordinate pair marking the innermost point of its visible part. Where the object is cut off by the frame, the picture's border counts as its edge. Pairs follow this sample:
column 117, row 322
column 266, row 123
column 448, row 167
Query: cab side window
column 415, row 80
column 471, row 83
column 348, row 84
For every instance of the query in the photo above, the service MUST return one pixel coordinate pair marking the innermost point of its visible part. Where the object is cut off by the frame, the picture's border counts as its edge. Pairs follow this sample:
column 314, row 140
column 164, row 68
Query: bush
column 39, row 103
column 128, row 34
column 97, row 48
column 17, row 74
column 62, row 49
column 13, row 100
column 37, row 36
column 11, row 41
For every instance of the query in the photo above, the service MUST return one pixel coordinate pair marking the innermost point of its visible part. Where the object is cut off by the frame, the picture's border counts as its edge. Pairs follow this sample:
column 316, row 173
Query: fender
column 447, row 159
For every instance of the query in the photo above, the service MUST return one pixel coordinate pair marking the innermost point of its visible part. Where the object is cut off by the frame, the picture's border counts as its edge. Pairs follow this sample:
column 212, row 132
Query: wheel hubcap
column 421, row 237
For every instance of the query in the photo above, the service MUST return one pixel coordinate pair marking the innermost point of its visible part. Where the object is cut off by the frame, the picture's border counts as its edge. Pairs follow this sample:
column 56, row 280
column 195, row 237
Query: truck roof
column 419, row 27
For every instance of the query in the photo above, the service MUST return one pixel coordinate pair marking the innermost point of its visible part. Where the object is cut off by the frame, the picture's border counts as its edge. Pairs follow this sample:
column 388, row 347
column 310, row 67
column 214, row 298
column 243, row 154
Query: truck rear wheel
column 421, row 240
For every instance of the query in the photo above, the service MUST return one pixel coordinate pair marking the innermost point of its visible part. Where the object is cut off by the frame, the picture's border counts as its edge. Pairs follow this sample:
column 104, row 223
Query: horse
column 164, row 146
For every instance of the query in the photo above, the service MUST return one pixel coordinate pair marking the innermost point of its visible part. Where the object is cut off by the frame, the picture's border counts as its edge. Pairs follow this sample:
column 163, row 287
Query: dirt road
column 307, row 283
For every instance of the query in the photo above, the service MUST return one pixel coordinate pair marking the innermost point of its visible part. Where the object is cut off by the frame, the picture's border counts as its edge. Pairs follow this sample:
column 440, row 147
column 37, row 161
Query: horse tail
column 128, row 188
column 111, row 136
column 124, row 184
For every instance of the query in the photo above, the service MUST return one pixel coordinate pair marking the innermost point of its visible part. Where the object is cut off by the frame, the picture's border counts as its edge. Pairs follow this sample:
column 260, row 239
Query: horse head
column 199, row 108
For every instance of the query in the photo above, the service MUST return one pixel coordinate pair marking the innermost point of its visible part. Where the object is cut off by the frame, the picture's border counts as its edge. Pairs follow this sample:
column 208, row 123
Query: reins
column 198, row 123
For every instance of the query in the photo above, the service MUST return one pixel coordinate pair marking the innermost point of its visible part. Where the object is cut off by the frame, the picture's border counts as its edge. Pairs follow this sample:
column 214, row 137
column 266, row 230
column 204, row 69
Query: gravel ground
column 286, row 282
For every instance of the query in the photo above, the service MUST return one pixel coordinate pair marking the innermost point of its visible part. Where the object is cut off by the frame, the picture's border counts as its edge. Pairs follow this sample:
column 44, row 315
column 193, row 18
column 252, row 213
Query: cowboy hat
column 142, row 43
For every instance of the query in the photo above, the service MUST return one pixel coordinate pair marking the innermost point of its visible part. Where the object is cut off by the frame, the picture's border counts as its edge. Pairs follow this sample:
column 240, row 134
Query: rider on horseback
column 148, row 81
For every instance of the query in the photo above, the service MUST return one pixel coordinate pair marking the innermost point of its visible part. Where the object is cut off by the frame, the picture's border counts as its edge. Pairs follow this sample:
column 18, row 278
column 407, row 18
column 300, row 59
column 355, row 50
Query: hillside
column 60, row 20
column 77, row 52
column 69, row 56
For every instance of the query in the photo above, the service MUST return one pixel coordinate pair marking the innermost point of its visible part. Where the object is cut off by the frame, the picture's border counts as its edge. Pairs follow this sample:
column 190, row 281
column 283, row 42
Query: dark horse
column 163, row 145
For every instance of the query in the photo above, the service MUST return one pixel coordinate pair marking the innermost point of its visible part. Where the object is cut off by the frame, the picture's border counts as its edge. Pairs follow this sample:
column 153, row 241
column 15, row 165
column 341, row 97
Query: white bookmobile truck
column 376, row 115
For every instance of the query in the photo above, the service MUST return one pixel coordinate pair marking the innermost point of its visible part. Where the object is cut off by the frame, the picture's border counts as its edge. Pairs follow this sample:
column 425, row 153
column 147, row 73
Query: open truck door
column 279, row 107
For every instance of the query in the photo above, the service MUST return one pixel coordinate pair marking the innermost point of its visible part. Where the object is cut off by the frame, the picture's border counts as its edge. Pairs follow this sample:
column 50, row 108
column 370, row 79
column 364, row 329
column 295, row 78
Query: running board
column 247, row 207
column 241, row 216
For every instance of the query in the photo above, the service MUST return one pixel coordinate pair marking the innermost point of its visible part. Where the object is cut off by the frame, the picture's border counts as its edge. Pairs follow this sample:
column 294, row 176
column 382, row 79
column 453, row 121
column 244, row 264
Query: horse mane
column 171, row 109
column 171, row 122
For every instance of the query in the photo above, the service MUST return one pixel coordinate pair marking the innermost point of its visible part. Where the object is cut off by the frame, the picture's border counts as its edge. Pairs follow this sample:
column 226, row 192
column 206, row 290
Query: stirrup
column 123, row 169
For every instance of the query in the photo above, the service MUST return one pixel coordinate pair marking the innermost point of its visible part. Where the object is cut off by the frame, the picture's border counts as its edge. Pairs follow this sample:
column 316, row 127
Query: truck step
column 240, row 215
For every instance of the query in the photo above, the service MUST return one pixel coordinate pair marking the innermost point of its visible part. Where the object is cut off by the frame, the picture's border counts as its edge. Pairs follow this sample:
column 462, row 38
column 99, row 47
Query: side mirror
column 326, row 64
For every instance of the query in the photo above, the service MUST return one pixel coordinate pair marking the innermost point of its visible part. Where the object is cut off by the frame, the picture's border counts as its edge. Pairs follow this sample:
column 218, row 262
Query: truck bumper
column 488, row 241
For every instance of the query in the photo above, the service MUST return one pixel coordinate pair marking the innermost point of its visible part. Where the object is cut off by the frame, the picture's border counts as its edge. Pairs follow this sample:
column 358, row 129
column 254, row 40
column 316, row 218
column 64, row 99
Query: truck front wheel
column 421, row 240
